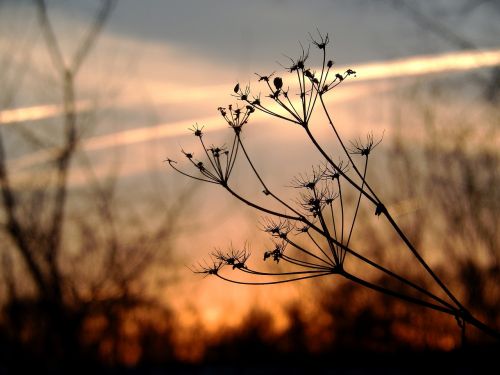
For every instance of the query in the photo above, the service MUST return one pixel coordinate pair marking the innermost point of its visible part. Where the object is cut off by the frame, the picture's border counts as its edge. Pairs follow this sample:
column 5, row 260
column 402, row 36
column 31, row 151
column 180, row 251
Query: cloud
column 166, row 94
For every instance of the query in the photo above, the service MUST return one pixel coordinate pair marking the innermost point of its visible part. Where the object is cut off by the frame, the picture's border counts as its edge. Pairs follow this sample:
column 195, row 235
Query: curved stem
column 333, row 221
column 262, row 181
column 282, row 105
column 458, row 313
column 357, row 204
column 342, row 221
column 260, row 107
column 317, row 245
column 375, row 199
column 303, row 263
column 208, row 156
column 345, row 248
column 298, row 247
column 170, row 162
column 339, row 170
column 273, row 282
column 328, row 238
column 260, row 208
column 253, row 272
column 421, row 260
column 401, row 296
column 388, row 272
column 481, row 326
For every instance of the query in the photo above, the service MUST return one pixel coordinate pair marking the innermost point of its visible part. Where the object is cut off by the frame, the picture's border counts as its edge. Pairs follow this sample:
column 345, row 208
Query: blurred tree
column 85, row 264
column 461, row 24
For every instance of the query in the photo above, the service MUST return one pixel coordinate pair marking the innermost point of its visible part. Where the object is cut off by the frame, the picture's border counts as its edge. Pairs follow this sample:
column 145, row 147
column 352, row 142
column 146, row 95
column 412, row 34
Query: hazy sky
column 156, row 56
column 242, row 32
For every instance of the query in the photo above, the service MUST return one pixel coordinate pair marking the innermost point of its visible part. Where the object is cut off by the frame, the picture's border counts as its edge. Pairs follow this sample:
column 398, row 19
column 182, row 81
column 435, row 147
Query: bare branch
column 89, row 41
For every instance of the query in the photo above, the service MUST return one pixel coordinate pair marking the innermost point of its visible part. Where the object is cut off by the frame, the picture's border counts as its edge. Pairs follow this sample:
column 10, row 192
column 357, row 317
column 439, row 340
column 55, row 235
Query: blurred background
column 96, row 231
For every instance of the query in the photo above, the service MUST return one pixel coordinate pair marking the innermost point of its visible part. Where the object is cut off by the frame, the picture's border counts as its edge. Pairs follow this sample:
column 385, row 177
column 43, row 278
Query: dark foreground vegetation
column 370, row 340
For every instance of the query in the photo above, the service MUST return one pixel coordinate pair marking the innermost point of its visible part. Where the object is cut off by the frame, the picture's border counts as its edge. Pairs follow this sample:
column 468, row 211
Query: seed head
column 278, row 83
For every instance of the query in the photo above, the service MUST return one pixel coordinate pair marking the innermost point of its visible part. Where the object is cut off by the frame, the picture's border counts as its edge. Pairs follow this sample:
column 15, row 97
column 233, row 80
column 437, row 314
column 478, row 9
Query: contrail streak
column 168, row 130
column 406, row 67
column 412, row 66
column 39, row 112
column 429, row 64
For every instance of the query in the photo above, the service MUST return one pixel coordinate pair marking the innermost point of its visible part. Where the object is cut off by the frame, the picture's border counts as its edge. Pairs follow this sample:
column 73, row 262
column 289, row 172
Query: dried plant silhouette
column 313, row 233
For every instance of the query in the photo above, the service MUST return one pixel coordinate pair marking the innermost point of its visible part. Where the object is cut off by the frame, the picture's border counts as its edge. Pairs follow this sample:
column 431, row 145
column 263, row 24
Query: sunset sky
column 161, row 66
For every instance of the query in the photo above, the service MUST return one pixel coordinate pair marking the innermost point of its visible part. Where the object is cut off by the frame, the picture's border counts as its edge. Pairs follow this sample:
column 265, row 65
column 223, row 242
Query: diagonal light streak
column 39, row 112
column 168, row 130
column 412, row 66
column 406, row 67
